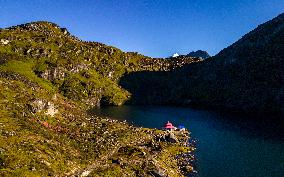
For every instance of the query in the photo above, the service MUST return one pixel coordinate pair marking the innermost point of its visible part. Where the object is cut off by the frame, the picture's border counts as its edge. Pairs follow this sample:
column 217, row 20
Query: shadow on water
column 258, row 126
column 245, row 125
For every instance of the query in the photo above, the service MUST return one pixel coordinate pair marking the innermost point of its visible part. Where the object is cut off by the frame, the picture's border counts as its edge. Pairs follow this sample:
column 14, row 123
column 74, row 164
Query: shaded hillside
column 246, row 76
column 199, row 53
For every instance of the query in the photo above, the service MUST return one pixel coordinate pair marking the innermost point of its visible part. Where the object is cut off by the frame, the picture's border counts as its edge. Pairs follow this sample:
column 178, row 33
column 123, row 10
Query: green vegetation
column 25, row 68
column 34, row 143
column 48, row 79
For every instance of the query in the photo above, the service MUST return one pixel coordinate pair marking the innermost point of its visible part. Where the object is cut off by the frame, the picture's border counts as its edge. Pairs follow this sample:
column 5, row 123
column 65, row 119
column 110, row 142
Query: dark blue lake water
column 227, row 146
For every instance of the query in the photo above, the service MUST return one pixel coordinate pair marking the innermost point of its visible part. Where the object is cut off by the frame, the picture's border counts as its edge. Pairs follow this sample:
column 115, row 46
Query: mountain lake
column 227, row 145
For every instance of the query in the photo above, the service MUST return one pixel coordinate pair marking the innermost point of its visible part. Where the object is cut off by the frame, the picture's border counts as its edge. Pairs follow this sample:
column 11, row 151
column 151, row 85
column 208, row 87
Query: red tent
column 169, row 125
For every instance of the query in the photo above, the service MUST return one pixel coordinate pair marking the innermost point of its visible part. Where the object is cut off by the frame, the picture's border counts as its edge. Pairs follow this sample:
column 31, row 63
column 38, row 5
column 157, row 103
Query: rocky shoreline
column 159, row 153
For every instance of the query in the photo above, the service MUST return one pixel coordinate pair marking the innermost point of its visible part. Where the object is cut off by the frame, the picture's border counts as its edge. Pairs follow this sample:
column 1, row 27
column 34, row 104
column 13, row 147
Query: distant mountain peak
column 175, row 55
column 199, row 53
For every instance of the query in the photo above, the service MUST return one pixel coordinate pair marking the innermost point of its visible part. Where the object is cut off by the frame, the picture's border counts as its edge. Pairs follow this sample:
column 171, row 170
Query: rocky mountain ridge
column 70, row 63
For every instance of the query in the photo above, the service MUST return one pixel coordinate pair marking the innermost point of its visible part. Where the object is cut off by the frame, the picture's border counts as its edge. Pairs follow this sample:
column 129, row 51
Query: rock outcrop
column 4, row 41
column 40, row 105
column 53, row 74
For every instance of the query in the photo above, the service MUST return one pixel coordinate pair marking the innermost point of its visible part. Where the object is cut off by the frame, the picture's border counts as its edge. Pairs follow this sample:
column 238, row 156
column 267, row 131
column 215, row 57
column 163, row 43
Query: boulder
column 4, row 41
column 171, row 138
column 37, row 105
column 51, row 109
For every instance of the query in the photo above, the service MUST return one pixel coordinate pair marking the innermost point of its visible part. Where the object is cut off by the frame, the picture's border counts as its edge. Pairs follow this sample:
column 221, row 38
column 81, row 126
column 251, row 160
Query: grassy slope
column 34, row 143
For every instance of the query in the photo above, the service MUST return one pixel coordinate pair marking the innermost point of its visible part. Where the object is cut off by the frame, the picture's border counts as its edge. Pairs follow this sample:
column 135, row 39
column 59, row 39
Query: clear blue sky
column 156, row 28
